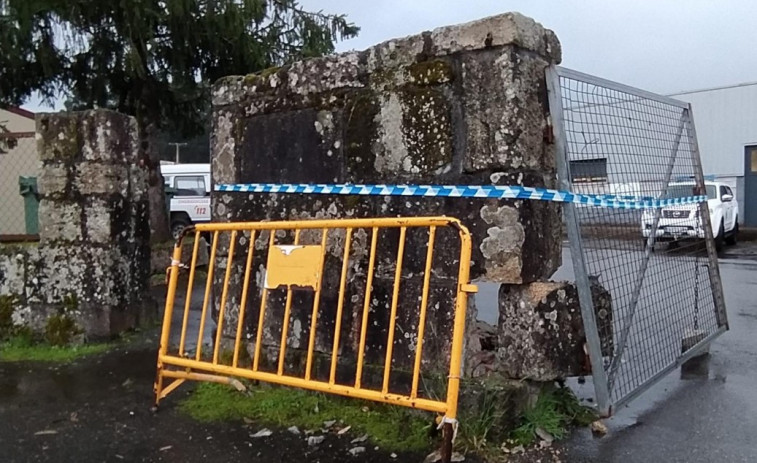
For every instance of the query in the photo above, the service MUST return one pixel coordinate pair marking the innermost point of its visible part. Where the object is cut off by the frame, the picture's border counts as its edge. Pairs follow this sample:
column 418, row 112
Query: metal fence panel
column 301, row 261
column 666, row 294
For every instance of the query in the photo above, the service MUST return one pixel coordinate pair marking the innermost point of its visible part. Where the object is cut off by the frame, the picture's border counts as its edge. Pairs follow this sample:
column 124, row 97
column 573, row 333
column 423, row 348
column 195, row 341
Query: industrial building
column 726, row 124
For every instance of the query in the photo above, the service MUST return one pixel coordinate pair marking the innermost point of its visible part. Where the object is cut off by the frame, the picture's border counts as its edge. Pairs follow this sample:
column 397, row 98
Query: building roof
column 710, row 89
column 20, row 112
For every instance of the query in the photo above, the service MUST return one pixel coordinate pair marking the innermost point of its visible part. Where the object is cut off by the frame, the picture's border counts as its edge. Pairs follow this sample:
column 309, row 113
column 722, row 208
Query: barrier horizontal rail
column 463, row 191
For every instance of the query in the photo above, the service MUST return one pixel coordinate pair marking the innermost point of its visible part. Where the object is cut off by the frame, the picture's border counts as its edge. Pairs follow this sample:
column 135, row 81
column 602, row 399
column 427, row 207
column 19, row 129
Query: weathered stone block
column 98, row 135
column 53, row 181
column 101, row 179
column 12, row 271
column 504, row 105
column 540, row 330
column 60, row 221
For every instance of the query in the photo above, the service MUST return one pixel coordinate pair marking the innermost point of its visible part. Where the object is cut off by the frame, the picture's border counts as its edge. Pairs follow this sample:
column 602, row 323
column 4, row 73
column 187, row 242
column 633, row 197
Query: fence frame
column 603, row 374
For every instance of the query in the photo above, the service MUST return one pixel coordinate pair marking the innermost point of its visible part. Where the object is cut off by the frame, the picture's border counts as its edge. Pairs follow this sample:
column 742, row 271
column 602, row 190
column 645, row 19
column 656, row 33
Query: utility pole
column 178, row 146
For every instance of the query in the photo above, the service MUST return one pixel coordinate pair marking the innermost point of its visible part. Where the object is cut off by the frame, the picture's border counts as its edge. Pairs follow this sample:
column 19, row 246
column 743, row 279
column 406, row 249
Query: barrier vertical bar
column 287, row 314
column 366, row 309
column 393, row 312
column 340, row 305
column 188, row 301
column 422, row 316
column 165, row 333
column 224, row 294
column 713, row 269
column 261, row 317
column 314, row 315
column 243, row 302
column 208, row 287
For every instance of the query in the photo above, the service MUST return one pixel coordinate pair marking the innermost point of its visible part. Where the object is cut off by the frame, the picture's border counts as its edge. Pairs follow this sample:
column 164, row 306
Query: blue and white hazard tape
column 462, row 191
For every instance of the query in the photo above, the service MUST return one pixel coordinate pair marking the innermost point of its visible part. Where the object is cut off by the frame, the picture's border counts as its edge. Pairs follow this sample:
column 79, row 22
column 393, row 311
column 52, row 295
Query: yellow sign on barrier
column 301, row 266
column 294, row 266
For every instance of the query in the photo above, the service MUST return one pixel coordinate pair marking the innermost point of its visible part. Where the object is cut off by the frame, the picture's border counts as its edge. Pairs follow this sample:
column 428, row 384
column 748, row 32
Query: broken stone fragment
column 540, row 331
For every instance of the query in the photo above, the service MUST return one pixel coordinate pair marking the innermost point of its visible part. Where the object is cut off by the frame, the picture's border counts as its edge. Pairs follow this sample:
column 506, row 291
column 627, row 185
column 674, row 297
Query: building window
column 588, row 170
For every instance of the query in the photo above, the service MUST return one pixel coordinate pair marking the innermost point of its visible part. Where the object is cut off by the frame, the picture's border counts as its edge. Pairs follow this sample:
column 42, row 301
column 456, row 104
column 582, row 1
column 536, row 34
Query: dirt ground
column 98, row 409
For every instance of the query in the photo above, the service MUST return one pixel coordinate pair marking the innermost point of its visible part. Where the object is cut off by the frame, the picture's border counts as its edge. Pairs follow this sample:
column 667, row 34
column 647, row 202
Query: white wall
column 726, row 121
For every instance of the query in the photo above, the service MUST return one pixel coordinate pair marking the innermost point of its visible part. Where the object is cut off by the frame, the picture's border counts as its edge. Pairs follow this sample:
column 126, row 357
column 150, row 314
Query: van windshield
column 682, row 191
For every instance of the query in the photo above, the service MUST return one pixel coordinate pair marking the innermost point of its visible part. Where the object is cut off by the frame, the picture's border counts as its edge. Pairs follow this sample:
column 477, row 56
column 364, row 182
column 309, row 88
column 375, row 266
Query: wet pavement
column 703, row 413
column 98, row 409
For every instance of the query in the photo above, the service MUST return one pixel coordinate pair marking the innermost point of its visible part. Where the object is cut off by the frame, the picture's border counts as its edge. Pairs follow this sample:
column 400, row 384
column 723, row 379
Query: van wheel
column 731, row 239
column 177, row 226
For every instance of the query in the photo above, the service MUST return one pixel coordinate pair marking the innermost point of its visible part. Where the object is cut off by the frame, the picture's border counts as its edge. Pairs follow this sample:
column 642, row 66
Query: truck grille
column 674, row 214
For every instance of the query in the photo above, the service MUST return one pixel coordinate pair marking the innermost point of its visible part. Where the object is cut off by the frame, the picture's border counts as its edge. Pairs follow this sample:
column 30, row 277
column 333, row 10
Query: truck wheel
column 177, row 226
column 731, row 239
column 720, row 238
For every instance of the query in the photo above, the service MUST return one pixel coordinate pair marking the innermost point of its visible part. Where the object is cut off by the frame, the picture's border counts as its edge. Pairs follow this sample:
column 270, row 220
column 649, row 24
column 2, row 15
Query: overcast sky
column 658, row 45
column 662, row 46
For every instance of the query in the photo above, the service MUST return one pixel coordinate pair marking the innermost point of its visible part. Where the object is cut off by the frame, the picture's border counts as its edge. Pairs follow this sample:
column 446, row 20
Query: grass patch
column 393, row 427
column 21, row 349
column 555, row 411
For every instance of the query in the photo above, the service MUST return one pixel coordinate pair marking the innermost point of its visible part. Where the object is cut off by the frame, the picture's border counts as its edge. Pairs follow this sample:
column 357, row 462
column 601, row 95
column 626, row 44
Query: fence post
column 599, row 376
column 712, row 255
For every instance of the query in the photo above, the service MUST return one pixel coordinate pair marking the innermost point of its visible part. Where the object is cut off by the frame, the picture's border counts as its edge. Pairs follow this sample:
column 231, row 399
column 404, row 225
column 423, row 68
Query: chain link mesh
column 18, row 158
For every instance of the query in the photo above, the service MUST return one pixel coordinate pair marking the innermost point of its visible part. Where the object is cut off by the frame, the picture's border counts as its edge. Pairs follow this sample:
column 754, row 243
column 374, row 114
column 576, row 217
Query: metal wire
column 622, row 141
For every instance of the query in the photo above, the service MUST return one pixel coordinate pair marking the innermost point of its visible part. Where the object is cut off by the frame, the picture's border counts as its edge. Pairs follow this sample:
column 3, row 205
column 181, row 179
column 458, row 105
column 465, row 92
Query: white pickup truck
column 191, row 203
column 683, row 221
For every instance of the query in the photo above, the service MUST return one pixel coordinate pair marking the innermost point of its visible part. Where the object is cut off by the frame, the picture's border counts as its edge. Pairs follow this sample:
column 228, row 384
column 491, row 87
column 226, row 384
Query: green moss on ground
column 393, row 427
column 24, row 349
column 555, row 411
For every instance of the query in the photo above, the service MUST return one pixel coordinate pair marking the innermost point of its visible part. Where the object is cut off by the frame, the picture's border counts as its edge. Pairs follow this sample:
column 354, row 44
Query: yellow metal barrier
column 302, row 266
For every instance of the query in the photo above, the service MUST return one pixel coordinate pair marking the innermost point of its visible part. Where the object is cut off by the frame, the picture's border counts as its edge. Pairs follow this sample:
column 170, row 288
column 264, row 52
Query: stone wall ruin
column 92, row 264
column 464, row 104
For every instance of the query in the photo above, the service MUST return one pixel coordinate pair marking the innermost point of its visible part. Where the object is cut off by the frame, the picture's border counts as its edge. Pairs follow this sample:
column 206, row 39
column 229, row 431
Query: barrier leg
column 446, row 450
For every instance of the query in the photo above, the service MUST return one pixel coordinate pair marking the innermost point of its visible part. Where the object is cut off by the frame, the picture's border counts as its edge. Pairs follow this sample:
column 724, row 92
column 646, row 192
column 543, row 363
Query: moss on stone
column 60, row 330
column 260, row 78
column 265, row 73
column 383, row 78
column 70, row 303
column 62, row 142
column 12, row 249
column 350, row 202
column 431, row 72
column 7, row 307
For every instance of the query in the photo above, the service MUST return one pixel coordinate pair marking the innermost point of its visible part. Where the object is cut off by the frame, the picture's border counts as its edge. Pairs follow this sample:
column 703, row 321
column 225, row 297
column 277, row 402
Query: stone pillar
column 464, row 104
column 94, row 253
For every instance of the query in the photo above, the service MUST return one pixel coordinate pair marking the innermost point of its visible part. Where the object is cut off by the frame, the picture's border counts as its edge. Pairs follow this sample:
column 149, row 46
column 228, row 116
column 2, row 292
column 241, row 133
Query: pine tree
column 153, row 59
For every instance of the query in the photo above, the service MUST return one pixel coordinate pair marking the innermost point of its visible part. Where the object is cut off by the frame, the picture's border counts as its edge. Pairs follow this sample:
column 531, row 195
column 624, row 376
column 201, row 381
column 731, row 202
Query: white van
column 191, row 203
